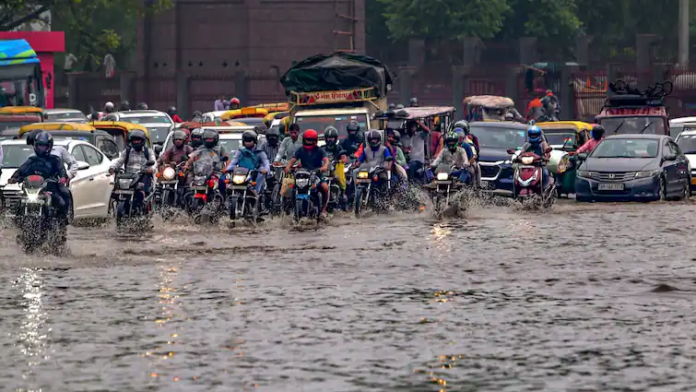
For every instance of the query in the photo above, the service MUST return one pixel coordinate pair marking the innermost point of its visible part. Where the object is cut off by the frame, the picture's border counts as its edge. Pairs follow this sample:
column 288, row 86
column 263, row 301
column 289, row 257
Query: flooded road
column 584, row 298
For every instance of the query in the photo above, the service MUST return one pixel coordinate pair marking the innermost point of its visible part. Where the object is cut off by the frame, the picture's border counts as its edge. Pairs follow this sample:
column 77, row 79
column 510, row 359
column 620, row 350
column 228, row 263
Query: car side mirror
column 511, row 151
column 582, row 156
column 158, row 149
column 82, row 165
column 670, row 157
column 225, row 159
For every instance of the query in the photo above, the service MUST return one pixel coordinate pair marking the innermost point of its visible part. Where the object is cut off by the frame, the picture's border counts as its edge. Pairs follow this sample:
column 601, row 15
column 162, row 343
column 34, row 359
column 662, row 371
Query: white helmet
column 109, row 106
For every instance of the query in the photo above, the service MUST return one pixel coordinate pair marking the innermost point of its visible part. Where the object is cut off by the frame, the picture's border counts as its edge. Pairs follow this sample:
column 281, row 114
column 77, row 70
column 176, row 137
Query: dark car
column 633, row 168
column 495, row 139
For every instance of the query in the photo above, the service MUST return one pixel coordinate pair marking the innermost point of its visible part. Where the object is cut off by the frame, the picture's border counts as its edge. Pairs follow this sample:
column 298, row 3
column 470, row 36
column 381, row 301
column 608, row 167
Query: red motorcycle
column 528, row 179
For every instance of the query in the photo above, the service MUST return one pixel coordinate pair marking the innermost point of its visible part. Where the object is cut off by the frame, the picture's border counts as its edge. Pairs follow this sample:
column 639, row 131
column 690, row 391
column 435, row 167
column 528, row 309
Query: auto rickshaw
column 22, row 110
column 119, row 130
column 566, row 136
column 244, row 113
column 490, row 108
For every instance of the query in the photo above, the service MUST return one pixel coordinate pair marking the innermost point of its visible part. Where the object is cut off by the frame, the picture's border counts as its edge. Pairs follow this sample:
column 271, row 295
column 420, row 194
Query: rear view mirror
column 82, row 165
column 582, row 156
column 184, row 158
column 158, row 149
column 225, row 159
column 511, row 151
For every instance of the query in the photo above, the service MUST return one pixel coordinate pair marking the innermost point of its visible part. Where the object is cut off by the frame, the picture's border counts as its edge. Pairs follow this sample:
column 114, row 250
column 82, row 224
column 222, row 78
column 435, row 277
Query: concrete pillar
column 644, row 44
column 473, row 47
column 405, row 77
column 528, row 50
column 125, row 86
column 241, row 90
column 182, row 94
column 567, row 93
column 416, row 52
column 582, row 49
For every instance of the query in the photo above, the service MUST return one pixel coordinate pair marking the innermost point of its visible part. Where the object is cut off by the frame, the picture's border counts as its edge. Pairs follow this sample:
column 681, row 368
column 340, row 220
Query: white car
column 91, row 188
column 230, row 137
column 158, row 124
column 64, row 115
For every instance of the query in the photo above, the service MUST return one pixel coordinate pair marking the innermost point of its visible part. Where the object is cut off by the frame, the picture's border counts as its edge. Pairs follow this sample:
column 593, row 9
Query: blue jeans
column 546, row 177
column 413, row 168
column 260, row 180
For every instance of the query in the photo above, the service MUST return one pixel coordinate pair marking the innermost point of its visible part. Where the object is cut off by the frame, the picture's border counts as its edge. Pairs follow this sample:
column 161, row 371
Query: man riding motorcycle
column 66, row 158
column 536, row 144
column 312, row 158
column 597, row 136
column 196, row 138
column 271, row 145
column 178, row 150
column 49, row 166
column 452, row 155
column 289, row 145
column 352, row 142
column 336, row 154
column 375, row 154
column 208, row 151
column 251, row 158
column 417, row 134
column 134, row 158
column 172, row 113
column 393, row 144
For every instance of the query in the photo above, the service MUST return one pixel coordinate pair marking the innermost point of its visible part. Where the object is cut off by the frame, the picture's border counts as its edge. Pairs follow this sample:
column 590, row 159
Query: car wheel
column 662, row 190
column 686, row 192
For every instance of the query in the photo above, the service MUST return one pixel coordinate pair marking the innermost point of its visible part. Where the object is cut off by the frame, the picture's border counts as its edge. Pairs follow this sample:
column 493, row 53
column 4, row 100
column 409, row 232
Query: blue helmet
column 534, row 134
column 458, row 130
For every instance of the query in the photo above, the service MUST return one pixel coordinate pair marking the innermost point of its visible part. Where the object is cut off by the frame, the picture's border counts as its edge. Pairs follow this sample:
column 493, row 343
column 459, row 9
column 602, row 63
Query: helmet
column 451, row 140
column 31, row 136
column 135, row 135
column 109, row 107
column 331, row 136
column 310, row 138
column 171, row 111
column 197, row 114
column 260, row 129
column 534, row 134
column 399, row 106
column 125, row 105
column 210, row 138
column 142, row 106
column 180, row 135
column 391, row 106
column 196, row 137
column 43, row 143
column 374, row 139
column 463, row 125
column 413, row 102
column 397, row 136
column 597, row 132
column 353, row 127
column 250, row 136
column 273, row 135
column 235, row 101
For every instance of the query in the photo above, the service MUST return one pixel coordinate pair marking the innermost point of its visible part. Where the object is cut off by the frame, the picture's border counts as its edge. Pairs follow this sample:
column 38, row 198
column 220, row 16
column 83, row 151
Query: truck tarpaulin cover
column 338, row 71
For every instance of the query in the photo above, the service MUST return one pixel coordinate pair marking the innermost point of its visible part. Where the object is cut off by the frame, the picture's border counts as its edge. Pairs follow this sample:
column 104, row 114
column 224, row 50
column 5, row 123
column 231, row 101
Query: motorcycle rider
column 289, row 145
column 142, row 106
column 414, row 146
column 109, row 107
column 49, row 166
column 178, row 150
column 271, row 145
column 172, row 113
column 197, row 116
column 597, row 136
column 452, row 155
column 134, row 158
column 536, row 144
column 208, row 153
column 352, row 143
column 65, row 157
column 336, row 154
column 235, row 104
column 375, row 154
column 125, row 106
column 413, row 102
column 251, row 158
column 196, row 138
column 312, row 158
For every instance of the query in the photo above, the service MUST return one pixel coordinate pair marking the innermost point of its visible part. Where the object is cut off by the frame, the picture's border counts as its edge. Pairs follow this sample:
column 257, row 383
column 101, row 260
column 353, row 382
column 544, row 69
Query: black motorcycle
column 308, row 200
column 124, row 203
column 444, row 187
column 242, row 201
column 38, row 219
column 170, row 189
column 372, row 189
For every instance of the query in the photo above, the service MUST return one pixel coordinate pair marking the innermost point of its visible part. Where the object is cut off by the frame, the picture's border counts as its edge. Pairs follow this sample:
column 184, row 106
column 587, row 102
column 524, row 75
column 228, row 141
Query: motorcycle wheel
column 357, row 205
column 252, row 209
column 300, row 209
column 276, row 200
column 30, row 237
column 121, row 219
column 58, row 237
column 232, row 207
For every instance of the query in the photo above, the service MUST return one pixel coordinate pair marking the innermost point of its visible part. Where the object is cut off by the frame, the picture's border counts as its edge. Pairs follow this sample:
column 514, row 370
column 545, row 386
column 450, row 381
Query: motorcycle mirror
column 158, row 149
column 511, row 151
column 184, row 158
column 150, row 163
column 548, row 150
column 225, row 159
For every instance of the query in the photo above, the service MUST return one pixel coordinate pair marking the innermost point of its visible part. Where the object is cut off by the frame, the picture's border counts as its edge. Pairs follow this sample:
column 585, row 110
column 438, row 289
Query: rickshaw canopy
column 416, row 112
column 20, row 110
column 579, row 126
column 489, row 101
column 119, row 130
column 274, row 107
column 56, row 126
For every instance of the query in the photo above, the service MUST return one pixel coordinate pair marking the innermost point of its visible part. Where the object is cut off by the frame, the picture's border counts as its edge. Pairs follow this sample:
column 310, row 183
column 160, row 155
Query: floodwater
column 582, row 298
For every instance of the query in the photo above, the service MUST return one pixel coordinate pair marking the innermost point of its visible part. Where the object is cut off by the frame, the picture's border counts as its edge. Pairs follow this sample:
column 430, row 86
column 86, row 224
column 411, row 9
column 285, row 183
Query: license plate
column 302, row 196
column 610, row 187
column 484, row 184
column 238, row 187
column 123, row 192
column 693, row 181
column 362, row 180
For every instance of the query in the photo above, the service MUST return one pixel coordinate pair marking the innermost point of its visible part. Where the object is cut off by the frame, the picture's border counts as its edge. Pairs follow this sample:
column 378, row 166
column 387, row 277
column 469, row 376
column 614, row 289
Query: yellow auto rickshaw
column 119, row 130
column 56, row 126
column 21, row 110
column 244, row 113
column 274, row 107
column 567, row 136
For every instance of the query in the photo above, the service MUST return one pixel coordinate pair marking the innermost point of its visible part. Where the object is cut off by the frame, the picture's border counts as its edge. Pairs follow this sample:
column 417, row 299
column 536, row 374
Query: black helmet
column 142, row 106
column 273, row 132
column 196, row 137
column 197, row 114
column 31, row 136
column 210, row 138
column 397, row 136
column 137, row 134
column 597, row 132
column 43, row 144
column 391, row 106
column 413, row 102
column 171, row 111
column 353, row 127
column 180, row 135
column 451, row 140
column 125, row 106
column 250, row 136
column 374, row 139
column 331, row 136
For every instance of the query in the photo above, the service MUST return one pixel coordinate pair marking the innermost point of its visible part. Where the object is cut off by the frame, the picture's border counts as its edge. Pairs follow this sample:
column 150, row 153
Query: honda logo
column 611, row 176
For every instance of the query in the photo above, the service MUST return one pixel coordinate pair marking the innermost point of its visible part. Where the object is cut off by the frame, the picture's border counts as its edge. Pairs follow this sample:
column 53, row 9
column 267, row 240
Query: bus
column 20, row 75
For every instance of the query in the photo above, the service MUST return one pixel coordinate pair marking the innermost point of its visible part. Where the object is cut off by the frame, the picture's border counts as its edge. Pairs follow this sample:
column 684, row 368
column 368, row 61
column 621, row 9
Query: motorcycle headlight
column 302, row 182
column 442, row 176
column 168, row 174
column 32, row 195
column 648, row 173
column 527, row 160
column 124, row 184
column 363, row 174
column 238, row 179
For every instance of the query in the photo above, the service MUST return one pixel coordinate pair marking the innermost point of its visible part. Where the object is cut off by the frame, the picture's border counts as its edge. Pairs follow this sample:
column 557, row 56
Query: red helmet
column 310, row 138
column 235, row 101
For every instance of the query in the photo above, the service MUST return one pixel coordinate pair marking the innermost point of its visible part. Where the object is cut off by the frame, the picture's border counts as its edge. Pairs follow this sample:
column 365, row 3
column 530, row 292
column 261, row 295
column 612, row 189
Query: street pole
column 684, row 34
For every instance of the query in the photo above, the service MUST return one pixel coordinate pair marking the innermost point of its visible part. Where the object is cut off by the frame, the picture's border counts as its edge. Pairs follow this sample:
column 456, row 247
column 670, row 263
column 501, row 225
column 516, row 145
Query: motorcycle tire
column 300, row 209
column 357, row 205
column 121, row 219
column 232, row 207
column 276, row 200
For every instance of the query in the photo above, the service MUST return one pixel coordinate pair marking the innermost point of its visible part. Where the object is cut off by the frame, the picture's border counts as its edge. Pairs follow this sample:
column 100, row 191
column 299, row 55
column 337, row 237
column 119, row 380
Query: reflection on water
column 31, row 339
column 168, row 303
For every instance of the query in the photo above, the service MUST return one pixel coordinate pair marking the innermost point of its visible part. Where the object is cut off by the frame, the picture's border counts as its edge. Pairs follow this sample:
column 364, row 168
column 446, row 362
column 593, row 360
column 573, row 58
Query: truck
column 20, row 75
column 335, row 89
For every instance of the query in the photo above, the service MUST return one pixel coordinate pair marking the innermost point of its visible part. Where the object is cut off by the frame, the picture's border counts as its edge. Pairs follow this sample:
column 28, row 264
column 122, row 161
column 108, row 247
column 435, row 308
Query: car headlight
column 647, row 173
column 363, row 174
column 238, row 179
column 527, row 160
column 584, row 174
column 442, row 176
column 168, row 174
column 124, row 184
column 302, row 182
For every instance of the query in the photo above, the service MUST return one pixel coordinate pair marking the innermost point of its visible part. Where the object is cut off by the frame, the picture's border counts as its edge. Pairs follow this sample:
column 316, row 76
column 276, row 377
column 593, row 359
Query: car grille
column 489, row 171
column 12, row 198
column 616, row 176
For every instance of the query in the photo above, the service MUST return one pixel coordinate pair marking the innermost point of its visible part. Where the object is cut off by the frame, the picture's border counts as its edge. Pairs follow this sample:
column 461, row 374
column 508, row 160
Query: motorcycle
column 204, row 199
column 274, row 198
column 372, row 188
column 123, row 202
column 307, row 199
column 528, row 179
column 241, row 201
column 335, row 194
column 38, row 220
column 445, row 186
column 170, row 188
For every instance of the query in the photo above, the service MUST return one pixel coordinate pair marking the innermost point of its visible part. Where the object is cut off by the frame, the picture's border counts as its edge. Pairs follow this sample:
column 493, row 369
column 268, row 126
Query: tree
column 444, row 19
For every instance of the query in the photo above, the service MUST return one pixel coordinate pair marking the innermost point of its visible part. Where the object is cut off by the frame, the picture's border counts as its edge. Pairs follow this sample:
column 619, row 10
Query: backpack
column 248, row 159
column 128, row 150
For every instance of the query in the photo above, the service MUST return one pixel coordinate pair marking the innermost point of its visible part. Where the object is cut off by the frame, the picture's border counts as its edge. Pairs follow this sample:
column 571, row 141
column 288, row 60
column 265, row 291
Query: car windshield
column 147, row 120
column 158, row 134
column 633, row 125
column 687, row 143
column 340, row 122
column 14, row 124
column 231, row 145
column 68, row 116
column 626, row 148
column 86, row 136
column 499, row 138
column 558, row 137
column 14, row 155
